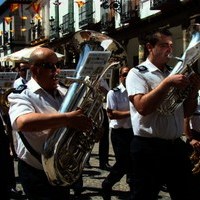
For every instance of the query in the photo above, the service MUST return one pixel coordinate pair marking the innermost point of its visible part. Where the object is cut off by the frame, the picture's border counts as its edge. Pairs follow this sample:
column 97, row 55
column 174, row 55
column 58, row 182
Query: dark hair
column 153, row 37
column 121, row 68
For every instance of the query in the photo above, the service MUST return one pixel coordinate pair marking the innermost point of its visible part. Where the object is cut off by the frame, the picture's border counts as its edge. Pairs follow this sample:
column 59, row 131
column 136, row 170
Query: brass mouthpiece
column 175, row 57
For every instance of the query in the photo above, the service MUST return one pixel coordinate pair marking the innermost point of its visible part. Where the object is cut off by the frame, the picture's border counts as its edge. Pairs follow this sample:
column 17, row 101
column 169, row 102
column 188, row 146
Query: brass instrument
column 195, row 159
column 66, row 150
column 176, row 96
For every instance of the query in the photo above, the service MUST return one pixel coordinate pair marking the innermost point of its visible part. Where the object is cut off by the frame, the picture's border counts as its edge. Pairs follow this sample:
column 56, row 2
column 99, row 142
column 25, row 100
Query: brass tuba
column 176, row 96
column 66, row 150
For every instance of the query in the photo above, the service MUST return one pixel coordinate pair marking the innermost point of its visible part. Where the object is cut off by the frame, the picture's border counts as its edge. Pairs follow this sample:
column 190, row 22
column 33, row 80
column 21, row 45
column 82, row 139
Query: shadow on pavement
column 93, row 192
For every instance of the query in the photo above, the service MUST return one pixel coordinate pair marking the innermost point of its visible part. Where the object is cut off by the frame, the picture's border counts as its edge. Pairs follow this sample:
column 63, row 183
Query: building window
column 86, row 14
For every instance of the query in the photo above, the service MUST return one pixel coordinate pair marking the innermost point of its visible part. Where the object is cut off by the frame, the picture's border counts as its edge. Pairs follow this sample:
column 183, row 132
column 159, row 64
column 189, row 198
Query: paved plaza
column 93, row 177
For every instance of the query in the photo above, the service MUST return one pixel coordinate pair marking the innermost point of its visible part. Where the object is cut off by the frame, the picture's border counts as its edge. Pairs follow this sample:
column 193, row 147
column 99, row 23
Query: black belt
column 122, row 128
column 196, row 114
column 157, row 140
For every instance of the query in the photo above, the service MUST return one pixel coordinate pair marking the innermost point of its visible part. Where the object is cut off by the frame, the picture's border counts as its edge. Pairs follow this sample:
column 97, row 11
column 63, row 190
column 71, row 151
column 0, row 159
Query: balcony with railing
column 86, row 12
column 68, row 24
column 36, row 32
column 129, row 11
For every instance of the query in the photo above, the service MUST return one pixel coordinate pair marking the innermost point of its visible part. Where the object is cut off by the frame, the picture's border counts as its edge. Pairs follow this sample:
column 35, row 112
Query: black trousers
column 121, row 140
column 5, row 163
column 158, row 161
column 104, row 142
column 36, row 185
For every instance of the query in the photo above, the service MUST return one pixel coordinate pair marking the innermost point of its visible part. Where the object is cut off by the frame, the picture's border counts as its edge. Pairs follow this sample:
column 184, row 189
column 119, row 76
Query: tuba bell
column 66, row 150
column 175, row 96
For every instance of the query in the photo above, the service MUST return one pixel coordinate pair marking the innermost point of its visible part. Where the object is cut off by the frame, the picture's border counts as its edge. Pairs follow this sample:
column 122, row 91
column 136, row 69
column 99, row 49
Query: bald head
column 43, row 67
column 42, row 55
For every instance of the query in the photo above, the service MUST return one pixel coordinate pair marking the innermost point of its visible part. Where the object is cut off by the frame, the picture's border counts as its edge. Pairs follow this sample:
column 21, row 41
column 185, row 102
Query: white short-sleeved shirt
column 19, row 81
column 155, row 124
column 118, row 100
column 33, row 100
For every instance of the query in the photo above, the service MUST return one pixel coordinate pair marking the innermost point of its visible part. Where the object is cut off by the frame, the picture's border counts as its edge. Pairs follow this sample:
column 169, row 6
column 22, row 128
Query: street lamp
column 54, row 23
column 51, row 22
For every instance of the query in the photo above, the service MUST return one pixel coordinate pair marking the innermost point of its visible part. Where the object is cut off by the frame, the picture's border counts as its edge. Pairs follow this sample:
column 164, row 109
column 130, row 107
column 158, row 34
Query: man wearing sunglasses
column 121, row 133
column 22, row 70
column 33, row 113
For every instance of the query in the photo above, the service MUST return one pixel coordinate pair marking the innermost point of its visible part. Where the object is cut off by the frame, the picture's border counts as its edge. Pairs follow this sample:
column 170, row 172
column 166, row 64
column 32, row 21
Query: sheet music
column 7, row 79
column 95, row 63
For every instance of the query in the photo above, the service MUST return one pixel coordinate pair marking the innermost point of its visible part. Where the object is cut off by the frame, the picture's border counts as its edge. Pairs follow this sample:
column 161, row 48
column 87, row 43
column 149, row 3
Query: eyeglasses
column 124, row 75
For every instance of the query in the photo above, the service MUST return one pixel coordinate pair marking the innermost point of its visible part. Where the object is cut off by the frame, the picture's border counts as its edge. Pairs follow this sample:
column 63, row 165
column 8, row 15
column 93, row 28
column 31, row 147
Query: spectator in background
column 22, row 70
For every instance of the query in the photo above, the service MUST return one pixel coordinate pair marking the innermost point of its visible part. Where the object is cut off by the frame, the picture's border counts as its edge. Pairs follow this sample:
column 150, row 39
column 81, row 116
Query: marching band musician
column 33, row 113
column 158, row 153
column 121, row 134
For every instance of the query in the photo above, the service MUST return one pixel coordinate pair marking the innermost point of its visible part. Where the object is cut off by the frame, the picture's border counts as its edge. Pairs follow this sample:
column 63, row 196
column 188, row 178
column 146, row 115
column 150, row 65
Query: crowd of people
column 148, row 144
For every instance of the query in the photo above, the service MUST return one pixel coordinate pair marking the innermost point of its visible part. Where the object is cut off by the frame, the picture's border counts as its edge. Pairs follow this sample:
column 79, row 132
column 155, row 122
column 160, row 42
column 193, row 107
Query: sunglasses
column 124, row 75
column 51, row 66
column 23, row 70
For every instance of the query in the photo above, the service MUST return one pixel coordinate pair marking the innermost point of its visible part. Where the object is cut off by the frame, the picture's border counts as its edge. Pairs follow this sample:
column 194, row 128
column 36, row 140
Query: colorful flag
column 80, row 3
column 14, row 6
column 36, row 7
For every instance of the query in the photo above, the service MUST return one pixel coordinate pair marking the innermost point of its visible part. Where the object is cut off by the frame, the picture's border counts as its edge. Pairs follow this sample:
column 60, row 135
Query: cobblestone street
column 93, row 177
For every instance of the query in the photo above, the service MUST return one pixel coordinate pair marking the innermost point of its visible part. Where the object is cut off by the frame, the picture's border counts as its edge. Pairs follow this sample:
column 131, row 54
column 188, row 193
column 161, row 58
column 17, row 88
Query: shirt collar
column 152, row 67
column 34, row 86
column 121, row 87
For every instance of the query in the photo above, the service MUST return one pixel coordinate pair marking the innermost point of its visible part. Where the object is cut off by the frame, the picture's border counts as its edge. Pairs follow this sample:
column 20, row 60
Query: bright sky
column 1, row 1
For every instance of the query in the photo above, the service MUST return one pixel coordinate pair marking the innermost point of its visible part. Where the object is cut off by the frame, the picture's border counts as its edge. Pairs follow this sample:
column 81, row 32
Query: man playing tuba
column 34, row 113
